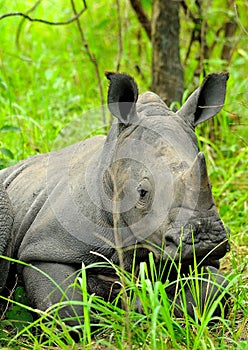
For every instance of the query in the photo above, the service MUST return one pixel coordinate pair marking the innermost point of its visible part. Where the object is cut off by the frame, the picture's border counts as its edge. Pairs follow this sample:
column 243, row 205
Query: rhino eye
column 143, row 189
column 142, row 193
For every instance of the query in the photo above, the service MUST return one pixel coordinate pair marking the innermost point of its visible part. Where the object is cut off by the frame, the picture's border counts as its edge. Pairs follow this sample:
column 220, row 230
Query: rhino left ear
column 122, row 97
column 206, row 101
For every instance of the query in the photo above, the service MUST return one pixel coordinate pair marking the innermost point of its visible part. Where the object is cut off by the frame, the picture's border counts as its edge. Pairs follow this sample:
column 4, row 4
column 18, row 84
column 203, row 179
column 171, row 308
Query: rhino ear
column 207, row 100
column 122, row 97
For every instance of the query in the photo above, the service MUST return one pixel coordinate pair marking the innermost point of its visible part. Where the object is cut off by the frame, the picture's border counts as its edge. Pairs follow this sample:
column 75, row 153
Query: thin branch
column 120, row 45
column 18, row 32
column 217, row 36
column 92, row 59
column 9, row 298
column 192, row 39
column 142, row 17
column 195, row 34
column 31, row 19
column 238, row 19
column 198, row 34
column 188, row 12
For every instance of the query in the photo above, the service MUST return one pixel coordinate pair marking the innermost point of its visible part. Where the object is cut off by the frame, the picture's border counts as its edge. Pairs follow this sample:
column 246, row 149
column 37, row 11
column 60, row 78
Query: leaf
column 7, row 128
column 244, row 345
column 59, row 82
column 147, row 4
column 49, row 73
column 7, row 152
column 19, row 317
column 20, row 296
column 243, row 53
column 3, row 334
column 102, row 24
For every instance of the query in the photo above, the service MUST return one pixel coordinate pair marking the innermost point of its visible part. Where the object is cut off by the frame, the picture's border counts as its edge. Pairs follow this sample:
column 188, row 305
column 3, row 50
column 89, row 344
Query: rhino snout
column 206, row 240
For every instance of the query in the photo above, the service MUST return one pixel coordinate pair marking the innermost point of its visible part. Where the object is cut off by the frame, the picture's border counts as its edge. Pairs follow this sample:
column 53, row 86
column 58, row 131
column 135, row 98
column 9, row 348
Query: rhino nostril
column 169, row 241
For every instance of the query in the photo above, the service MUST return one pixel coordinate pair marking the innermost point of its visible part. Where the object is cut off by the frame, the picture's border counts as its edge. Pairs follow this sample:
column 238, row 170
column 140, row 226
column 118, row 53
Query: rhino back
column 53, row 210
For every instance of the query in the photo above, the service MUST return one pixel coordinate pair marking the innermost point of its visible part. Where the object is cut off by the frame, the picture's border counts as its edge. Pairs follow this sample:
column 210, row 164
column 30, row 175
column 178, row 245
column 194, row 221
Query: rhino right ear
column 122, row 97
column 206, row 101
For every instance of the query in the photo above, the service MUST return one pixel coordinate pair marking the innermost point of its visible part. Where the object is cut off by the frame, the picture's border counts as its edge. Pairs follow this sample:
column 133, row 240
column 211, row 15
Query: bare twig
column 198, row 35
column 120, row 46
column 9, row 297
column 193, row 37
column 142, row 17
column 40, row 20
column 239, row 21
column 188, row 12
column 92, row 59
column 195, row 34
column 18, row 32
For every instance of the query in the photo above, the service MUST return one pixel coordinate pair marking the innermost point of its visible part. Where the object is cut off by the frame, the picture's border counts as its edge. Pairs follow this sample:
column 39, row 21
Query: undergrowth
column 141, row 317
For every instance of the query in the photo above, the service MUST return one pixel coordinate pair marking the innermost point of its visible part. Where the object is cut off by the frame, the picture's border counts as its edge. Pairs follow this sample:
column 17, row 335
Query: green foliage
column 6, row 155
column 17, row 316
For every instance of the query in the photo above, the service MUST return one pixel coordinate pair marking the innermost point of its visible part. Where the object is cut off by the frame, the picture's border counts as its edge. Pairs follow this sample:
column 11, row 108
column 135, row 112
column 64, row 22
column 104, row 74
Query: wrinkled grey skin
column 6, row 223
column 146, row 184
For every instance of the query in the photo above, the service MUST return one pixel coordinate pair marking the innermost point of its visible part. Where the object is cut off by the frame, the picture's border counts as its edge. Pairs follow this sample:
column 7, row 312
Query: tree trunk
column 229, row 29
column 167, row 72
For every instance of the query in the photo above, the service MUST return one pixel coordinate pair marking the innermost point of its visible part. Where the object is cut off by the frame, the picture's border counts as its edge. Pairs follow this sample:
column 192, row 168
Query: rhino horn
column 197, row 172
column 197, row 181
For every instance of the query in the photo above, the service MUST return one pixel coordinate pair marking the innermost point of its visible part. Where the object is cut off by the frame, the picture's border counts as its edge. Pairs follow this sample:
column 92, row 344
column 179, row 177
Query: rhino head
column 155, row 180
column 155, row 187
column 155, row 175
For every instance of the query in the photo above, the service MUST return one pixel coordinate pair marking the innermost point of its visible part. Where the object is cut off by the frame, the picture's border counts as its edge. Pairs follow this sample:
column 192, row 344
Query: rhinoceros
column 142, row 188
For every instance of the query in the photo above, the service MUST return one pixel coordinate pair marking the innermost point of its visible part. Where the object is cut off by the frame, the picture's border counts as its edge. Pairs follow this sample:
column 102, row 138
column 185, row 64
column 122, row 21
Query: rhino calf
column 143, row 188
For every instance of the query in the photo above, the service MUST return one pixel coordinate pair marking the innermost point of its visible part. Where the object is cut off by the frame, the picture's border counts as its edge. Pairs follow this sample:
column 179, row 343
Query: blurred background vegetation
column 52, row 84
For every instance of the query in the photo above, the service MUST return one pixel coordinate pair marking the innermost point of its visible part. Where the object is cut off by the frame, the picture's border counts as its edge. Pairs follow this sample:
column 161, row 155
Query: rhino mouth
column 204, row 252
column 180, row 254
column 203, row 240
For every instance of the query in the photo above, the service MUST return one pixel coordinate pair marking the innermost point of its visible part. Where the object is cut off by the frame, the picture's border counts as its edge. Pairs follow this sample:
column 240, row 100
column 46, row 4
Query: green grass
column 124, row 327
column 49, row 98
